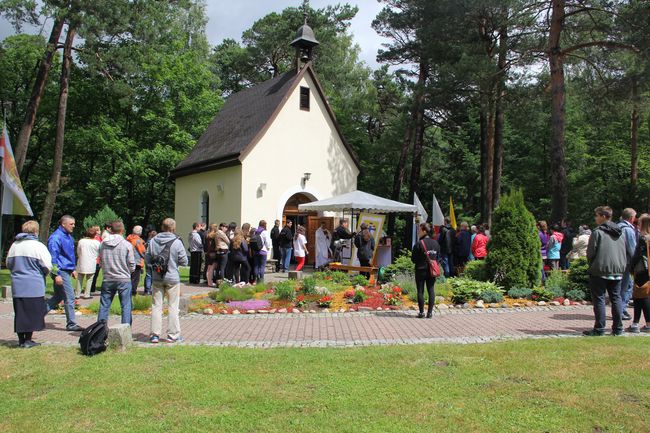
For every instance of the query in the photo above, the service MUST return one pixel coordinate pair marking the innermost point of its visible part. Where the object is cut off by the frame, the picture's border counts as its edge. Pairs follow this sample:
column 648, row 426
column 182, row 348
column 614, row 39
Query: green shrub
column 464, row 289
column 309, row 285
column 359, row 296
column 540, row 294
column 332, row 277
column 402, row 266
column 514, row 249
column 477, row 270
column 575, row 295
column 557, row 282
column 141, row 303
column 520, row 293
column 286, row 290
column 359, row 280
column 491, row 296
column 579, row 277
column 259, row 288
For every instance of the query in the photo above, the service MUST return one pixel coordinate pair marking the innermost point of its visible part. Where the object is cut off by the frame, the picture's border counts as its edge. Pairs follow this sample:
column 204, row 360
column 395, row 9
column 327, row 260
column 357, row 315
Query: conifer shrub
column 579, row 279
column 103, row 216
column 514, row 249
column 520, row 292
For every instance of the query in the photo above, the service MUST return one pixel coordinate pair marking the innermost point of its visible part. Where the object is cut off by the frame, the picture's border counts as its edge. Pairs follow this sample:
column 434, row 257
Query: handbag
column 643, row 291
column 434, row 268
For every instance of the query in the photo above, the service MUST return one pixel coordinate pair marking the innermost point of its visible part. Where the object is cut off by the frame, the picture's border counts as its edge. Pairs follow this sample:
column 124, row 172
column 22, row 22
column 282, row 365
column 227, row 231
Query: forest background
column 472, row 98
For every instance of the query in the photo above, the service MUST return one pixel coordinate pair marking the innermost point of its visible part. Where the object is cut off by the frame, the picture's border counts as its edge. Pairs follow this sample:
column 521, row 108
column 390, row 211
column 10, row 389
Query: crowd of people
column 617, row 255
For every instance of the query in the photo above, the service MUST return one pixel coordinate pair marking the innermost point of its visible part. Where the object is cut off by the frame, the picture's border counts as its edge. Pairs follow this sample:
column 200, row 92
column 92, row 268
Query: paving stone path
column 341, row 329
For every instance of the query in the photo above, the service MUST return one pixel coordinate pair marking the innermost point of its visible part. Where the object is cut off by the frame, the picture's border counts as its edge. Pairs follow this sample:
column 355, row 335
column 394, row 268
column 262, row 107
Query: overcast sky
column 229, row 18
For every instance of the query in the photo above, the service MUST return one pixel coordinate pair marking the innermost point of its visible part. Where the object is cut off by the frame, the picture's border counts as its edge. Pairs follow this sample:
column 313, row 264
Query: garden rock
column 326, row 310
column 250, row 311
column 380, row 309
column 566, row 302
column 443, row 307
column 529, row 304
column 480, row 303
column 555, row 303
column 273, row 311
column 495, row 305
column 282, row 310
column 208, row 311
column 516, row 305
column 119, row 336
column 235, row 312
column 262, row 312
column 466, row 305
column 541, row 303
column 341, row 310
column 440, row 299
column 312, row 311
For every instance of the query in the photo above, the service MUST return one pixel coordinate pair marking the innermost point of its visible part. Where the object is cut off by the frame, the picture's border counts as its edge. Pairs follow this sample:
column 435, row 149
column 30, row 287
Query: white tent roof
column 358, row 200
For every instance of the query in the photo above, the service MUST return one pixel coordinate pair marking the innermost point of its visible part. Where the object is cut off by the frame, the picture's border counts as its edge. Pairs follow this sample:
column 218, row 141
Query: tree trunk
column 398, row 176
column 489, row 162
column 559, row 199
column 53, row 185
column 500, row 114
column 634, row 140
column 418, row 147
column 37, row 93
column 483, row 152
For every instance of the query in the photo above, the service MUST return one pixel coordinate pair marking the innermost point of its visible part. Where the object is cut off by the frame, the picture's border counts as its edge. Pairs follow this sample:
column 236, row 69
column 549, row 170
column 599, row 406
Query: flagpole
column 2, row 186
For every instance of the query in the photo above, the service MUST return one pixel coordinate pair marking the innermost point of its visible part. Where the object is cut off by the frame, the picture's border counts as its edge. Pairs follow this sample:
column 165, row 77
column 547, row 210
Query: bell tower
column 305, row 41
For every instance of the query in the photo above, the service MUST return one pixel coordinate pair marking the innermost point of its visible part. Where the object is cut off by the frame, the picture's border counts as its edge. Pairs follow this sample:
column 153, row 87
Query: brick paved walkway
column 346, row 329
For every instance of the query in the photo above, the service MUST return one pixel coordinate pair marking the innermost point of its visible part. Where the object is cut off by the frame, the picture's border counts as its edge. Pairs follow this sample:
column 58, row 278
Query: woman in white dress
column 323, row 241
column 87, row 253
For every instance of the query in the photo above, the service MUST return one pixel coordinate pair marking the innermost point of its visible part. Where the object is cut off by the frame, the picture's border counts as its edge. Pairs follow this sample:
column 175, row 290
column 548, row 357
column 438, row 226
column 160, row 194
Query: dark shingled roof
column 242, row 120
column 239, row 121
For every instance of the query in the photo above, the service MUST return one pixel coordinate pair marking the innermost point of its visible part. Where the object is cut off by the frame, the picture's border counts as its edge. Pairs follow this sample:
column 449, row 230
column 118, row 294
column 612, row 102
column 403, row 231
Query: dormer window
column 304, row 98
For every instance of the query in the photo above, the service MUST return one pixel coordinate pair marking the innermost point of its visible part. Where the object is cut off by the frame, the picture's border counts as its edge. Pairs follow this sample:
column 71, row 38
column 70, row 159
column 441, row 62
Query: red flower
column 397, row 290
column 349, row 293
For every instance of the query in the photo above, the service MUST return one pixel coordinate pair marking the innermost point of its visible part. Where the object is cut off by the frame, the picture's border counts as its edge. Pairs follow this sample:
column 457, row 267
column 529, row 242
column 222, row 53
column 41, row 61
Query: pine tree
column 514, row 249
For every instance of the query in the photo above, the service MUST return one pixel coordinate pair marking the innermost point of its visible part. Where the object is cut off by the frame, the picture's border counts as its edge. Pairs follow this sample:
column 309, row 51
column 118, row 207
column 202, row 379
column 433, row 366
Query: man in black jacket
column 275, row 240
column 447, row 241
column 286, row 245
column 341, row 233
column 567, row 244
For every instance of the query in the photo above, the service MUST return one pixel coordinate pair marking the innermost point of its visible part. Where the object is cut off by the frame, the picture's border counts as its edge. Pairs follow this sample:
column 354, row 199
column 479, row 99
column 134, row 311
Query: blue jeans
column 109, row 289
column 259, row 265
column 147, row 281
column 627, row 284
column 447, row 262
column 600, row 286
column 64, row 293
column 286, row 257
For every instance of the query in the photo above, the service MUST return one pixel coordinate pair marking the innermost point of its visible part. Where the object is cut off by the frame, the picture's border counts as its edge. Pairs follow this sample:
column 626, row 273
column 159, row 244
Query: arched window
column 205, row 207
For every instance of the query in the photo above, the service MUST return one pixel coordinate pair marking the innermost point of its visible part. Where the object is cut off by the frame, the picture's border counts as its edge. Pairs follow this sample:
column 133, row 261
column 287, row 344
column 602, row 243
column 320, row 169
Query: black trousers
column 195, row 266
column 135, row 280
column 422, row 277
column 241, row 271
column 93, row 286
column 641, row 306
column 222, row 266
column 277, row 255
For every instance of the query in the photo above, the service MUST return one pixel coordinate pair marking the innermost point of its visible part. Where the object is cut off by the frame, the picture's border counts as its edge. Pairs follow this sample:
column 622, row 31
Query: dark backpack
column 93, row 339
column 160, row 261
column 257, row 243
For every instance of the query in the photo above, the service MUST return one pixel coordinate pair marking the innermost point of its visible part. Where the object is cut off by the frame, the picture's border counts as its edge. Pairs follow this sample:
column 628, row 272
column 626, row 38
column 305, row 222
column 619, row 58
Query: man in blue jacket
column 61, row 247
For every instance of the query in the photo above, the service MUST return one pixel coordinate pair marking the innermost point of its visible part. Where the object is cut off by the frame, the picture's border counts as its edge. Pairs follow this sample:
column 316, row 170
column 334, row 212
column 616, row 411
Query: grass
column 558, row 385
column 5, row 279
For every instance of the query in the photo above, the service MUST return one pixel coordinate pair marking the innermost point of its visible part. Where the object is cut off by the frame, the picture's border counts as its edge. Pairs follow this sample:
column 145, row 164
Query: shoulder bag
column 434, row 268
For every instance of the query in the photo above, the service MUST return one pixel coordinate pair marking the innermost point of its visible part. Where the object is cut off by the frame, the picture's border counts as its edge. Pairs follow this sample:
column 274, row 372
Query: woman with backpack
column 239, row 257
column 425, row 250
column 641, row 291
column 300, row 247
column 260, row 244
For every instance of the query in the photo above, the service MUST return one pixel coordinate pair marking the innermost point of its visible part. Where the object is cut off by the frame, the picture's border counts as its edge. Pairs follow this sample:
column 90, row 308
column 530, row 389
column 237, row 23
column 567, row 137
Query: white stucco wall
column 297, row 142
column 225, row 206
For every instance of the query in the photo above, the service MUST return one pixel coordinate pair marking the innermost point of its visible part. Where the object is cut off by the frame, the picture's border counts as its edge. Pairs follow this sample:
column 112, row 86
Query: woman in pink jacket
column 479, row 246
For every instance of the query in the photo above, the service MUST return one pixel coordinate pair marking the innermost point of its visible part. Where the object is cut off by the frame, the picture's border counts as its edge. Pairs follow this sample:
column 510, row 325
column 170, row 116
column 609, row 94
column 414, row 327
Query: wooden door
column 313, row 223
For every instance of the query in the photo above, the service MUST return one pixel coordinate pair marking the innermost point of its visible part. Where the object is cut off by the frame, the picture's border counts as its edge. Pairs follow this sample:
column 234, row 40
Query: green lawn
column 549, row 385
column 5, row 279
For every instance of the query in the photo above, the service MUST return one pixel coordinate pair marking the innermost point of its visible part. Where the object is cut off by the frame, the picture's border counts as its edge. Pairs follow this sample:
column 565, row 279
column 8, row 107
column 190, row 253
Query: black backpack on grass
column 93, row 339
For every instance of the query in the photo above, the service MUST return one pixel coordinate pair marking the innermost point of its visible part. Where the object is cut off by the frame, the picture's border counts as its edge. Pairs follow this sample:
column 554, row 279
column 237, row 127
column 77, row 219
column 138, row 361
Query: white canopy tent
column 358, row 201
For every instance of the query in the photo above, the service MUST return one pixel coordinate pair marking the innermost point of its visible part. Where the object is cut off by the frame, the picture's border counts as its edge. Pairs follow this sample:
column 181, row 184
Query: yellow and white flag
column 14, row 200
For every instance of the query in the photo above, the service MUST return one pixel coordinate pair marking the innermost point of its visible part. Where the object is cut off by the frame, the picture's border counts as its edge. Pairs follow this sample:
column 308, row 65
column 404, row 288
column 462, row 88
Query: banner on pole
column 14, row 200
column 437, row 217
column 452, row 214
